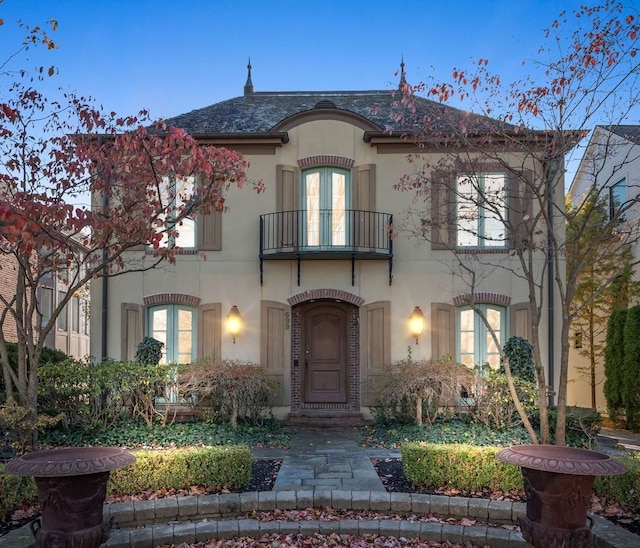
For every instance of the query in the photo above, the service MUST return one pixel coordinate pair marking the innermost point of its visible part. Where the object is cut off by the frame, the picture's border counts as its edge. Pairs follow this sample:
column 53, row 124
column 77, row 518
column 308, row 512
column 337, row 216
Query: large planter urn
column 72, row 487
column 558, row 482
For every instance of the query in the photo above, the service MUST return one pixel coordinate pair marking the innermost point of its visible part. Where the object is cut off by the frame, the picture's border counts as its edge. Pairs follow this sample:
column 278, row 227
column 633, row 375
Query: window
column 175, row 195
column 481, row 210
column 63, row 318
column 325, row 199
column 617, row 199
column 475, row 342
column 75, row 315
column 175, row 326
column 46, row 305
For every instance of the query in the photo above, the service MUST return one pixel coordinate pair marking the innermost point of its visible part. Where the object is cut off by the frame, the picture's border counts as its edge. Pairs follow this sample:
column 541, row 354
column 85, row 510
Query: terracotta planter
column 558, row 482
column 72, row 486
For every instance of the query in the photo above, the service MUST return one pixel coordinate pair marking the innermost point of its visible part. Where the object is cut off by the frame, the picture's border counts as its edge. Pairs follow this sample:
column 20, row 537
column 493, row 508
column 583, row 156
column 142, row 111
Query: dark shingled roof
column 261, row 112
column 629, row 132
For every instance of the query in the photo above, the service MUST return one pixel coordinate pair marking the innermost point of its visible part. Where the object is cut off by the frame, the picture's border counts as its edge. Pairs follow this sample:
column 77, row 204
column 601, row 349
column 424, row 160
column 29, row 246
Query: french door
column 326, row 199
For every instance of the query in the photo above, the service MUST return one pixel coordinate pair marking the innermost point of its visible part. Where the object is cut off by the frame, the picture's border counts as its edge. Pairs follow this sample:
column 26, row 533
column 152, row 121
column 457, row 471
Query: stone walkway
column 326, row 459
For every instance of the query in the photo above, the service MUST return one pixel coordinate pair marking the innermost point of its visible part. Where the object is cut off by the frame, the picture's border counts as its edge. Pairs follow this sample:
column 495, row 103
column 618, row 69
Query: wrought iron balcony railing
column 326, row 234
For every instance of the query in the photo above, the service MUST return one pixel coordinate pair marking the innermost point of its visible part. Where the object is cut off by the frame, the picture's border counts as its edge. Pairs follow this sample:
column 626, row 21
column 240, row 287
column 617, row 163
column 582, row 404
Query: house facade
column 611, row 166
column 320, row 271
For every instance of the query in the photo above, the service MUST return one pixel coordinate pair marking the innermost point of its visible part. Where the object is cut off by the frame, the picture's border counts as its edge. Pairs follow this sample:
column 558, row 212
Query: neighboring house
column 324, row 288
column 71, row 333
column 612, row 161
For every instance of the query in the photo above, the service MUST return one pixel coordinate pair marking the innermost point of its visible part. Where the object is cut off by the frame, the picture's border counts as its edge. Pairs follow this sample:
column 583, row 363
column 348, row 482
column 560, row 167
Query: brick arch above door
column 335, row 294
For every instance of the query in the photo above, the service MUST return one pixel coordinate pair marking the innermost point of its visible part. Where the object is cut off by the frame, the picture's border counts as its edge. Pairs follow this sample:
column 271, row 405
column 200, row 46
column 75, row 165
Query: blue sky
column 173, row 56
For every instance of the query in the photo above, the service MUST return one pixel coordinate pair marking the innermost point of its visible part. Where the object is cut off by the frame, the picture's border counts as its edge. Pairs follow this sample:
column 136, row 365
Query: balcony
column 326, row 235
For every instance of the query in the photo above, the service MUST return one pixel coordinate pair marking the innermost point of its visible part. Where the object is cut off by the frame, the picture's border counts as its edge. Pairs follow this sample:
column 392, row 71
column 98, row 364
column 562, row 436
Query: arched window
column 175, row 326
column 476, row 345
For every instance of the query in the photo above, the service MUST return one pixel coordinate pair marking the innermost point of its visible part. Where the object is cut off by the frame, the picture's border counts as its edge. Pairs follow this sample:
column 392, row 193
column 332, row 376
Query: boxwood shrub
column 465, row 467
column 623, row 489
column 219, row 467
column 14, row 492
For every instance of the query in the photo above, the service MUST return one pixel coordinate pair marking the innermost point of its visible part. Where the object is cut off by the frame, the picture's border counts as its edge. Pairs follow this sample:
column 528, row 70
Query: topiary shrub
column 520, row 354
column 149, row 351
column 225, row 467
column 465, row 467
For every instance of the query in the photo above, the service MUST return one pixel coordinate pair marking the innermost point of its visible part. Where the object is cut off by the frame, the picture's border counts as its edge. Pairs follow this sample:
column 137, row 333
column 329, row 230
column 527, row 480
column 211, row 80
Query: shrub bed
column 218, row 467
column 623, row 489
column 15, row 491
column 466, row 467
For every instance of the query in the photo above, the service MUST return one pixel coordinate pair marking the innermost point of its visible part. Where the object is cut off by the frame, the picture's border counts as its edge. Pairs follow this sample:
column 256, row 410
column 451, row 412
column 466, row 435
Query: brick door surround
column 353, row 352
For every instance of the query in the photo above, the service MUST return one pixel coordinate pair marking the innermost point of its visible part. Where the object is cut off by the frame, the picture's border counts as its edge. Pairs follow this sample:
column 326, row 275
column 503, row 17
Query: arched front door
column 325, row 332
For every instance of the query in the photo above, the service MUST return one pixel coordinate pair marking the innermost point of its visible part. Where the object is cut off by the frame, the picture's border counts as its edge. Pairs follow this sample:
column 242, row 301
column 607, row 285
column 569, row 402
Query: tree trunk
column 419, row 410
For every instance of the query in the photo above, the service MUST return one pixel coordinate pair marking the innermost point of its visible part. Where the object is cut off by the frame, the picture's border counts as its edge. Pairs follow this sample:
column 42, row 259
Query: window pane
column 75, row 315
column 338, row 209
column 467, row 212
column 495, row 210
column 467, row 320
column 63, row 318
column 312, row 193
column 159, row 329
column 46, row 304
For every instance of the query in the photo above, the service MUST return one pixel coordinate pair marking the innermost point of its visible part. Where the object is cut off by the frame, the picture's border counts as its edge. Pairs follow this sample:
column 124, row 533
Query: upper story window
column 476, row 345
column 481, row 210
column 617, row 199
column 326, row 195
column 175, row 195
column 175, row 326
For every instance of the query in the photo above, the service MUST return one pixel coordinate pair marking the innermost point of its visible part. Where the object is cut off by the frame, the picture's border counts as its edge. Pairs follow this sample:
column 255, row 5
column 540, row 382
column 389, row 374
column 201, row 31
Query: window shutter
column 375, row 346
column 210, row 331
column 520, row 206
column 443, row 330
column 209, row 229
column 287, row 204
column 132, row 330
column 363, row 200
column 443, row 207
column 275, row 346
column 520, row 320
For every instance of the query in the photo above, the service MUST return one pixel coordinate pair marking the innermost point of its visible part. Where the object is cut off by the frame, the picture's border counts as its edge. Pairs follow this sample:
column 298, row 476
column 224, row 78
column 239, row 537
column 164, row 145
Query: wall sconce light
column 416, row 322
column 234, row 322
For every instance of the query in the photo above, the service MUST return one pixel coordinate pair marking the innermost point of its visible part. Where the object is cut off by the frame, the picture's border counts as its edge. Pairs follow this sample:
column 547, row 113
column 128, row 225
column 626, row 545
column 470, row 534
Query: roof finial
column 248, row 87
column 403, row 80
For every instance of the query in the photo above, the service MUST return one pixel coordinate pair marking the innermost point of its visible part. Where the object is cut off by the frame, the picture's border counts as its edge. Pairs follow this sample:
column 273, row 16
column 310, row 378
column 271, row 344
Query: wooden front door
column 324, row 346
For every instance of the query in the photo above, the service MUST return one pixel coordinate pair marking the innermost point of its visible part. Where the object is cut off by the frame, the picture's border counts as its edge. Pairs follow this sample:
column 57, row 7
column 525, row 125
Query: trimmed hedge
column 219, row 467
column 466, row 467
column 14, row 492
column 623, row 489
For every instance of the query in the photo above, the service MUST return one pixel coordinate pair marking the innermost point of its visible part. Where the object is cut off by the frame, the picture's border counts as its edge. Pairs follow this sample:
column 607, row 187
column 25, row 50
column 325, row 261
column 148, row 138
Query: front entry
column 325, row 336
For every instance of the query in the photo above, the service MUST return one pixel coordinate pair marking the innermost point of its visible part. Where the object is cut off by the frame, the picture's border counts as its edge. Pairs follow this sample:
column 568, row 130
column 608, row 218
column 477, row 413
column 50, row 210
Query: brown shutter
column 520, row 320
column 210, row 331
column 288, row 205
column 443, row 330
column 363, row 203
column 132, row 330
column 520, row 206
column 443, row 207
column 209, row 229
column 275, row 345
column 375, row 346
